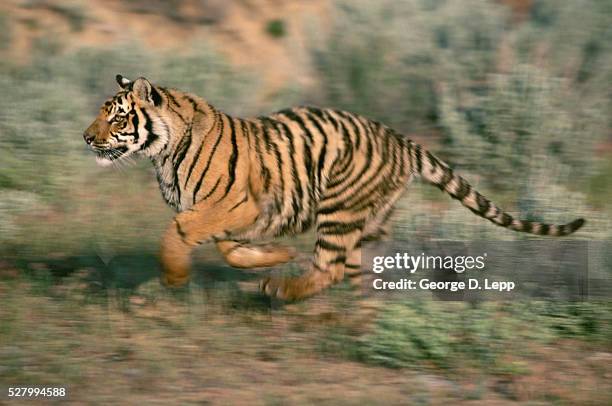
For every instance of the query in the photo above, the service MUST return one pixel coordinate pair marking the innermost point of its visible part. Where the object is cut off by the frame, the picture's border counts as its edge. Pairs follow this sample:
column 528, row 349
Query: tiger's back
column 308, row 163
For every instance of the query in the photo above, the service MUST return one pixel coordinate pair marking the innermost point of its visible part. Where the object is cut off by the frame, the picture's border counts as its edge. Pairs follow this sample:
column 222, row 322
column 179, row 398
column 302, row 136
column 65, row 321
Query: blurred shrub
column 5, row 31
column 385, row 59
column 276, row 28
column 182, row 11
column 73, row 11
column 444, row 334
column 412, row 333
column 523, row 122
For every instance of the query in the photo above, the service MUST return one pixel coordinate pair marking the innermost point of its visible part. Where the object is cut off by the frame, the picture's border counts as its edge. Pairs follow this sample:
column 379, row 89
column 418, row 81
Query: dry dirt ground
column 215, row 344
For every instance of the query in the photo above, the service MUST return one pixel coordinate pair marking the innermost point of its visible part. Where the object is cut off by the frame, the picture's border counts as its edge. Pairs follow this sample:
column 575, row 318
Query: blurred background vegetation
column 514, row 93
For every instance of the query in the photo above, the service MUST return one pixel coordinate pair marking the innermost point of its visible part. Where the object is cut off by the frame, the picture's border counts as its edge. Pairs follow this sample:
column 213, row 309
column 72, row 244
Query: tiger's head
column 128, row 123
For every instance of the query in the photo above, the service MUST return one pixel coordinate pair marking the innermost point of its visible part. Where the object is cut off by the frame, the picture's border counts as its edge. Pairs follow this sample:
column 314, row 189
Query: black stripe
column 491, row 216
column 329, row 246
column 331, row 119
column 212, row 153
column 170, row 97
column 345, row 162
column 266, row 135
column 418, row 158
column 339, row 228
column 340, row 174
column 194, row 104
column 266, row 122
column 483, row 204
column 331, row 209
column 172, row 100
column 340, row 259
column 409, row 150
column 291, row 115
column 135, row 123
column 194, row 161
column 180, row 230
column 294, row 174
column 322, row 154
column 446, row 178
column 157, row 99
column 307, row 146
column 151, row 137
column 179, row 155
column 575, row 225
column 346, row 137
column 182, row 148
column 233, row 159
column 400, row 151
column 246, row 198
column 506, row 220
column 527, row 226
column 463, row 190
column 356, row 128
column 265, row 172
column 316, row 111
column 245, row 130
column 211, row 191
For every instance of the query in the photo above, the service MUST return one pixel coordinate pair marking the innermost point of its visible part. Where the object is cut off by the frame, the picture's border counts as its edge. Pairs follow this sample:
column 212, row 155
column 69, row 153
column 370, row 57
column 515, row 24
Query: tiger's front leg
column 201, row 223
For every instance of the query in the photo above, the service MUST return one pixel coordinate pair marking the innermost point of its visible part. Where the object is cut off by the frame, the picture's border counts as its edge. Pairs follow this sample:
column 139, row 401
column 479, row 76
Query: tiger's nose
column 88, row 137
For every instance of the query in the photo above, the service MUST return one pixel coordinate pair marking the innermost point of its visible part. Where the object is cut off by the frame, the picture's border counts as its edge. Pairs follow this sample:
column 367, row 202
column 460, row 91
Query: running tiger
column 235, row 180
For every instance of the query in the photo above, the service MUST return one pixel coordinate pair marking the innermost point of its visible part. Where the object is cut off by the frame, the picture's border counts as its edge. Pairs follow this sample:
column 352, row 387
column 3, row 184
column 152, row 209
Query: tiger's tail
column 436, row 172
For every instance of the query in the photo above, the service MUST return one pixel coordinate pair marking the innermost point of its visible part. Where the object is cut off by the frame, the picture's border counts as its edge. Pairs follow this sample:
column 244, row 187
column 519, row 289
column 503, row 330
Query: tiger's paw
column 282, row 288
column 295, row 288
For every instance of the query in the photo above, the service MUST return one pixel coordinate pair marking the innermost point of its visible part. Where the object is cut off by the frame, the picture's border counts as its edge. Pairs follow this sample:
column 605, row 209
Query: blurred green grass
column 411, row 333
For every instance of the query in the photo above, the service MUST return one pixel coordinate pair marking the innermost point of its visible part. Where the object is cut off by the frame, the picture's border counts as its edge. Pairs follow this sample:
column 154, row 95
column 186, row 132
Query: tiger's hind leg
column 377, row 228
column 243, row 255
column 337, row 234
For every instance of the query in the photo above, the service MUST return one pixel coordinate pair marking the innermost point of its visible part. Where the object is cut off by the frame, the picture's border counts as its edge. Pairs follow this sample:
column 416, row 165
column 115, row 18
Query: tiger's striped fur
column 235, row 180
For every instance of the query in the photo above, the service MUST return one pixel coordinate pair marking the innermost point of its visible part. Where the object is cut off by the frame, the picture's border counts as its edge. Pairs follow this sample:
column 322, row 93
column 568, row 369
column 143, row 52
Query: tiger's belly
column 276, row 220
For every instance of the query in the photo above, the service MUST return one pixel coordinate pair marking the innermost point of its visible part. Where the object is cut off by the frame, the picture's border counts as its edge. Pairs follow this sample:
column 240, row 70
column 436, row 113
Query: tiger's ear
column 124, row 83
column 143, row 89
